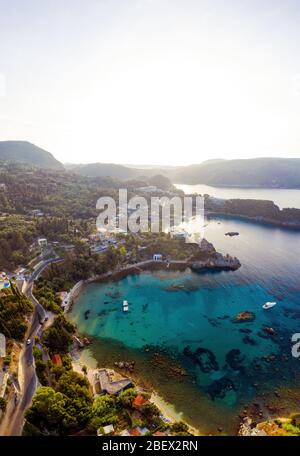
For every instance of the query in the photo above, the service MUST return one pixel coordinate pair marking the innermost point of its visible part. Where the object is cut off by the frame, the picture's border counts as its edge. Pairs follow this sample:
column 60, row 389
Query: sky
column 167, row 82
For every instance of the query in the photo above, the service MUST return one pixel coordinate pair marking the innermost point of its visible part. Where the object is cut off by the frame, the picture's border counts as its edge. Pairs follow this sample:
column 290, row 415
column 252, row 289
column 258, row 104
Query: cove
column 181, row 329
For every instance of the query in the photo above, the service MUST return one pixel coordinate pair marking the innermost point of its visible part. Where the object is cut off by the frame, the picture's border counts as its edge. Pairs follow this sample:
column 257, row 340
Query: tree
column 125, row 398
column 49, row 414
column 180, row 428
column 104, row 409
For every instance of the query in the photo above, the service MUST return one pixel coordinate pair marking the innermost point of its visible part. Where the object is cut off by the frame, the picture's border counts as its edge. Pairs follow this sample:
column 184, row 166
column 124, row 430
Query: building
column 139, row 401
column 56, row 359
column 2, row 346
column 125, row 433
column 64, row 297
column 157, row 257
column 42, row 242
column 148, row 189
column 37, row 213
column 104, row 383
column 180, row 235
column 134, row 432
column 109, row 429
column 4, row 282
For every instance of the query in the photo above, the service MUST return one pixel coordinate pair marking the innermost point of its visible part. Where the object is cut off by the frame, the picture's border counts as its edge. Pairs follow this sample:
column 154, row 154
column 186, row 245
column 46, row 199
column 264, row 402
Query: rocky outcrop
column 244, row 317
column 217, row 261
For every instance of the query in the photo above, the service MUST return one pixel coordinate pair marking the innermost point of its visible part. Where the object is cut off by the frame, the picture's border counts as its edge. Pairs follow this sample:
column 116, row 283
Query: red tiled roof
column 139, row 401
column 56, row 359
column 158, row 433
column 134, row 432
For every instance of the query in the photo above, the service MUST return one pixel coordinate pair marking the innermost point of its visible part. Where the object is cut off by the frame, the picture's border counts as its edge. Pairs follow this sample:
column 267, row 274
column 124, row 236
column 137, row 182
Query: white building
column 2, row 346
column 157, row 257
column 42, row 242
column 109, row 429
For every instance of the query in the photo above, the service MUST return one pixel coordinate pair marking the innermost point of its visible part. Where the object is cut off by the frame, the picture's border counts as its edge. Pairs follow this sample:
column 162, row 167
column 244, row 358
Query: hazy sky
column 151, row 81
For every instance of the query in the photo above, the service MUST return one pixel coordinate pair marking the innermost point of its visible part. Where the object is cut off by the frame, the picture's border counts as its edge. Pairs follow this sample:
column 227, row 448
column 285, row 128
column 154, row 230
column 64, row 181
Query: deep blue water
column 195, row 324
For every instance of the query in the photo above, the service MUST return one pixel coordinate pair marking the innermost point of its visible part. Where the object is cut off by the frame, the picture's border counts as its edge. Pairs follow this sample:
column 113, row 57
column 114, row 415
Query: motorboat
column 125, row 306
column 269, row 305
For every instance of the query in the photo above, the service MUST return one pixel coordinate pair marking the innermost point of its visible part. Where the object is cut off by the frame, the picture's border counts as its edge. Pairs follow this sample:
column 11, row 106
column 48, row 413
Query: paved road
column 14, row 418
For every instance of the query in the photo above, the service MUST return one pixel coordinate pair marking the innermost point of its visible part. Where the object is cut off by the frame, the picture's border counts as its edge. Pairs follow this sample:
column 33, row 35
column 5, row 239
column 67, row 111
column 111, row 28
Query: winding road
column 12, row 423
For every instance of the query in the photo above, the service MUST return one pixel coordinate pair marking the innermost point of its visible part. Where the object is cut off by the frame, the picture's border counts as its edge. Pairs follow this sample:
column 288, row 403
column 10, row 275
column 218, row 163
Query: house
column 37, row 213
column 142, row 431
column 139, row 401
column 64, row 297
column 149, row 189
column 109, row 429
column 125, row 433
column 157, row 257
column 2, row 346
column 159, row 434
column 179, row 235
column 4, row 282
column 20, row 273
column 134, row 432
column 107, row 385
column 42, row 242
column 56, row 359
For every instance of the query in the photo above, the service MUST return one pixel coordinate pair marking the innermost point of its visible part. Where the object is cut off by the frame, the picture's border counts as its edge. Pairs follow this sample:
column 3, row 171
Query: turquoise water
column 281, row 197
column 189, row 316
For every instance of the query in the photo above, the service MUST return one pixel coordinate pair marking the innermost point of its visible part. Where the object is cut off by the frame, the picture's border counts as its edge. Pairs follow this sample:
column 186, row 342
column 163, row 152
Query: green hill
column 256, row 172
column 25, row 152
column 103, row 170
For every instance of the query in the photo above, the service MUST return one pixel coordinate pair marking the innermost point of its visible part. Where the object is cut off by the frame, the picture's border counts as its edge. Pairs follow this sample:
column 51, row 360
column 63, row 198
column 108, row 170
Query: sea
column 181, row 329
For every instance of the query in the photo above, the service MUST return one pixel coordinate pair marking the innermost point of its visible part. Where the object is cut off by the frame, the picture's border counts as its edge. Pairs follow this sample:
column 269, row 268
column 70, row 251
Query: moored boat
column 269, row 305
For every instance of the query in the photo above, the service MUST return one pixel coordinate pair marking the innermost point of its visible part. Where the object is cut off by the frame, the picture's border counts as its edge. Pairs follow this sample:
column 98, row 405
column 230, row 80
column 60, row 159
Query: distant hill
column 115, row 171
column 25, row 152
column 103, row 170
column 257, row 172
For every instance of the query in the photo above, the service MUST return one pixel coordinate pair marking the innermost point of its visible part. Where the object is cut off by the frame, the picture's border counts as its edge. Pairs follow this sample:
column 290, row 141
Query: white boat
column 268, row 305
column 125, row 306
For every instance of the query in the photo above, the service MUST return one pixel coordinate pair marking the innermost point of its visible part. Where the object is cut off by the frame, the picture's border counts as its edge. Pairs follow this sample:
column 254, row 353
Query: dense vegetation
column 68, row 408
column 62, row 409
column 59, row 336
column 14, row 307
column 256, row 209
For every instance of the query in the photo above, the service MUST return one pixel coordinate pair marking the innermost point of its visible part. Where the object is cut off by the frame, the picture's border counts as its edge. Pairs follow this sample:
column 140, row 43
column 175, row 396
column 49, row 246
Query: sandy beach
column 85, row 358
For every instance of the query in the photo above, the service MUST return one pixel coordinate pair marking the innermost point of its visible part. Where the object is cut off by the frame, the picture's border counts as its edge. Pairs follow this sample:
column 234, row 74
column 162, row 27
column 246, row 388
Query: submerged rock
column 249, row 340
column 234, row 359
column 219, row 388
column 86, row 314
column 202, row 357
column 244, row 316
column 269, row 330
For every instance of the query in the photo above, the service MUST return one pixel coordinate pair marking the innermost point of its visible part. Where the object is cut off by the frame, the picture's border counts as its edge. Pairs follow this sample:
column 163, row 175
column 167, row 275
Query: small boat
column 268, row 305
column 125, row 306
